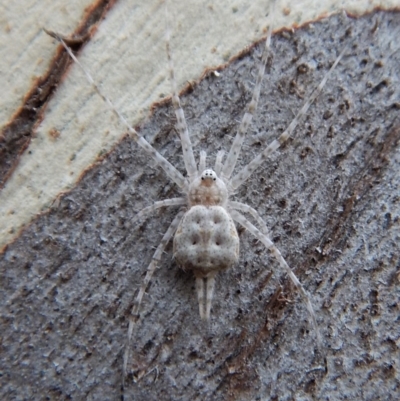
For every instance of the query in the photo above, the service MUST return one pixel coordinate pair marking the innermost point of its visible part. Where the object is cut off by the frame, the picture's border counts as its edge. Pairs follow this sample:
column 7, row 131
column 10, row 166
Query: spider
column 205, row 239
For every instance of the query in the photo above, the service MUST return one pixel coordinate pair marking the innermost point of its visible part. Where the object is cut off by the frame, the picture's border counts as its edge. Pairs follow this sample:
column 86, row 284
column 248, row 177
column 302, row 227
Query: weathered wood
column 330, row 198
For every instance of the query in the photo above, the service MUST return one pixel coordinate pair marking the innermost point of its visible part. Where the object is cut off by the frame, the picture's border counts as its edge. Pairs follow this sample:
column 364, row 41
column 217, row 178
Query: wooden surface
column 330, row 198
column 54, row 127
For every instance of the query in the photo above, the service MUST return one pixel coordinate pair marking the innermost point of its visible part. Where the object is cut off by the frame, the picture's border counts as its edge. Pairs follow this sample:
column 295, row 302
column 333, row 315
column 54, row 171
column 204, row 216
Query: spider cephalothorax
column 208, row 189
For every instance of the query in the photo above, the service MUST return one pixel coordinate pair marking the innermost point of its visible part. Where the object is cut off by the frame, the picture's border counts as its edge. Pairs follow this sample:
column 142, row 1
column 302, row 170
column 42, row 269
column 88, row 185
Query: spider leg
column 245, row 172
column 234, row 152
column 181, row 125
column 210, row 283
column 203, row 161
column 218, row 162
column 278, row 256
column 205, row 295
column 149, row 274
column 144, row 214
column 248, row 209
column 200, row 295
column 169, row 169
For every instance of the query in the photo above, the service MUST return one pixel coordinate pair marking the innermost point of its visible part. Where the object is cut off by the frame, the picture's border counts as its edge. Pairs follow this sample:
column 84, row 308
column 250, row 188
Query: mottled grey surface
column 331, row 198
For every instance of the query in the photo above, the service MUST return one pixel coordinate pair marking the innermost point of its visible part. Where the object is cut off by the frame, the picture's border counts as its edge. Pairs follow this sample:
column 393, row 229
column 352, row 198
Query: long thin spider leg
column 210, row 283
column 218, row 162
column 245, row 173
column 205, row 295
column 149, row 274
column 248, row 209
column 169, row 169
column 144, row 214
column 181, row 125
column 234, row 152
column 200, row 295
column 276, row 253
column 203, row 161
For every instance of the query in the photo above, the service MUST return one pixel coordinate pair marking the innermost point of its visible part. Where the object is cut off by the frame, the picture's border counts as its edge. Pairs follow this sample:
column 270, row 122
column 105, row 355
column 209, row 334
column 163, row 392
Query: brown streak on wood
column 16, row 135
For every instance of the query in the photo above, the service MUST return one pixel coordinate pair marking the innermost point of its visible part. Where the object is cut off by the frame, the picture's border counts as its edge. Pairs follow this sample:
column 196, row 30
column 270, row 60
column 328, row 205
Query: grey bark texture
column 331, row 198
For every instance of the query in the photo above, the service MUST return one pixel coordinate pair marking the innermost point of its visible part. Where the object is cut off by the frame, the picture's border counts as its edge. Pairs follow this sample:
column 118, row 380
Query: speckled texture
column 331, row 198
column 53, row 137
column 206, row 241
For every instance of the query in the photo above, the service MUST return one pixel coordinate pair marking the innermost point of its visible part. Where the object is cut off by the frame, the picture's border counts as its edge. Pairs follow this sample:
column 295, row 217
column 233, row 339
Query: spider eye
column 214, row 179
column 202, row 178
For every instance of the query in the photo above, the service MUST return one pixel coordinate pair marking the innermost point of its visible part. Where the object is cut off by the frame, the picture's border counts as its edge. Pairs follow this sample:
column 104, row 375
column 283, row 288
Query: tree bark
column 331, row 198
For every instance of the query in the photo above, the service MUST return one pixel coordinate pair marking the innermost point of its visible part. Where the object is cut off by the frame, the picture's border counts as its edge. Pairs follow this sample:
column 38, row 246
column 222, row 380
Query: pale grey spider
column 204, row 235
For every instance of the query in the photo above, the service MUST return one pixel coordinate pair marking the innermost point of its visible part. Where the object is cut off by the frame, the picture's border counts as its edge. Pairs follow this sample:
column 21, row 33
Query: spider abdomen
column 206, row 241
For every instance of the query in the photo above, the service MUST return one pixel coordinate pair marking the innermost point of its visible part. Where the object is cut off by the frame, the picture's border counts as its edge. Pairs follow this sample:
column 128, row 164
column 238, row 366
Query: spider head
column 208, row 177
column 208, row 189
